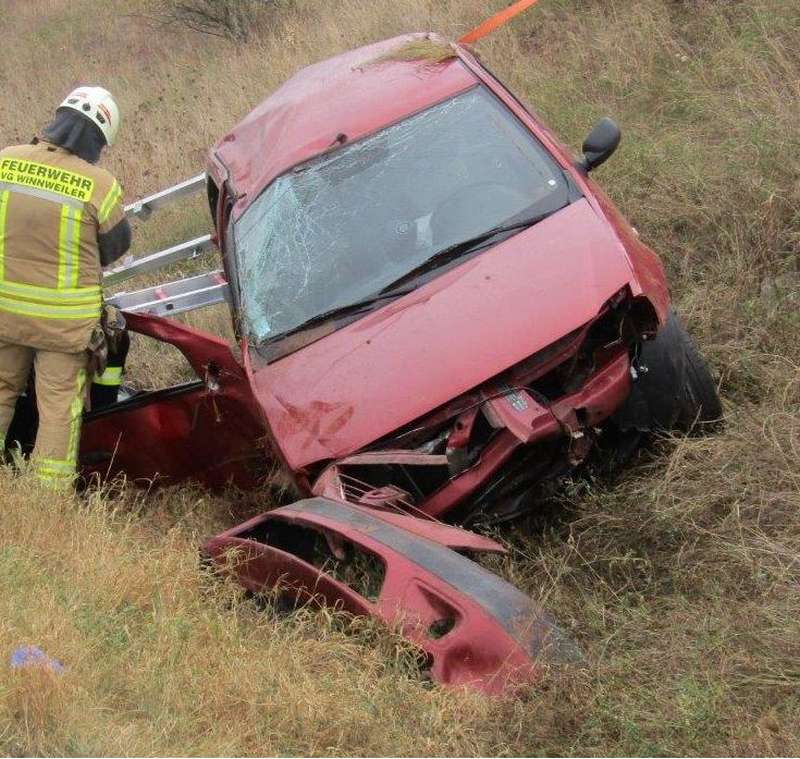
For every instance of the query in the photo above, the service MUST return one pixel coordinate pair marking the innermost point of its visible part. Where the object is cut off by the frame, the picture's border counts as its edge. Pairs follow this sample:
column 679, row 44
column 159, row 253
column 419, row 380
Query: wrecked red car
column 438, row 309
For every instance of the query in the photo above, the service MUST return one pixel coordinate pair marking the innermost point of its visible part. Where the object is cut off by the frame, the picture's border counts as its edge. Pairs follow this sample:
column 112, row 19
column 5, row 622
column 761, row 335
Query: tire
column 674, row 389
column 701, row 408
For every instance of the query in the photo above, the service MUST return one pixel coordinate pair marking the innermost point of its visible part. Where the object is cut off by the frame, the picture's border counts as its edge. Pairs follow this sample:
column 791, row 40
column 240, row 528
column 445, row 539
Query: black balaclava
column 77, row 133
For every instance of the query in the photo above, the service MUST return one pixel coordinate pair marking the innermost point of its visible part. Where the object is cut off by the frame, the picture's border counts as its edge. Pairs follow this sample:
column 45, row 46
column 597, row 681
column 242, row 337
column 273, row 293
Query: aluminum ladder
column 176, row 297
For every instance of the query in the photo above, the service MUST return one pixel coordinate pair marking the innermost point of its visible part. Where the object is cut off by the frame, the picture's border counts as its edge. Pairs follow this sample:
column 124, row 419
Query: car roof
column 331, row 103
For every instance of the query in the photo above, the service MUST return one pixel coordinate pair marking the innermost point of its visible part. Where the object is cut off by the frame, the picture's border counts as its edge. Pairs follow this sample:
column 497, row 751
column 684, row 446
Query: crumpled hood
column 396, row 364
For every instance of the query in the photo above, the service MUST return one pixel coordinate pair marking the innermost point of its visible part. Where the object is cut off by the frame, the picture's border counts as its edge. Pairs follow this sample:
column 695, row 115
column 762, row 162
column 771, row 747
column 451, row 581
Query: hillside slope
column 680, row 579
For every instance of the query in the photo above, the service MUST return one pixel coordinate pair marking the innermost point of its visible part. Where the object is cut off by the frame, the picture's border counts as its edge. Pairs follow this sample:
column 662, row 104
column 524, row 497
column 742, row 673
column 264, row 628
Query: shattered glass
column 337, row 229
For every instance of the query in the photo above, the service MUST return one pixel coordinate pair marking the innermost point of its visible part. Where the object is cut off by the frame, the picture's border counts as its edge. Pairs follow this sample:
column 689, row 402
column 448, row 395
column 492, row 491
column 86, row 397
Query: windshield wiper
column 471, row 244
column 365, row 304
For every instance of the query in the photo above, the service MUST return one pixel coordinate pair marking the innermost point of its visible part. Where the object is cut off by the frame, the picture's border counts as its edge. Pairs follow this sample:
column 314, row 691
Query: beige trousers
column 60, row 381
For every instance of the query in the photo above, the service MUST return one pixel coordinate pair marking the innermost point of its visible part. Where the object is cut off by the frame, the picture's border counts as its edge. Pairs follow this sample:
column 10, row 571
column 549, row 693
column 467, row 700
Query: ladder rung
column 144, row 207
column 176, row 297
column 181, row 252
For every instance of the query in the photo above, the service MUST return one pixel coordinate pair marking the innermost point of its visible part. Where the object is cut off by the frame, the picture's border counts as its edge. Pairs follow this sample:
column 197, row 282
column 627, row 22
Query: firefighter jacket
column 53, row 208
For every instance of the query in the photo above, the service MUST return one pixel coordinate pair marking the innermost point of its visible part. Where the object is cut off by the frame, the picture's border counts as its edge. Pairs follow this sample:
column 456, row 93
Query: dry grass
column 427, row 50
column 680, row 579
column 163, row 660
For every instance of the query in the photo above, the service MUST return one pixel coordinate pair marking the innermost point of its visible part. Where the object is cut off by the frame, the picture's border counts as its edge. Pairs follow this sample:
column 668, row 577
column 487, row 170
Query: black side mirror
column 601, row 143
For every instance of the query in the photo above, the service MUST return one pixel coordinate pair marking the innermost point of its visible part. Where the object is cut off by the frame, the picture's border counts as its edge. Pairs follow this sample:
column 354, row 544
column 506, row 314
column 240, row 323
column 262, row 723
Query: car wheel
column 673, row 388
column 701, row 408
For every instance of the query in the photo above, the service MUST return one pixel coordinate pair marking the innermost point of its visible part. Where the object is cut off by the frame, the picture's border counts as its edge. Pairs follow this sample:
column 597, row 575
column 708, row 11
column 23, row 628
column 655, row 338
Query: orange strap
column 496, row 21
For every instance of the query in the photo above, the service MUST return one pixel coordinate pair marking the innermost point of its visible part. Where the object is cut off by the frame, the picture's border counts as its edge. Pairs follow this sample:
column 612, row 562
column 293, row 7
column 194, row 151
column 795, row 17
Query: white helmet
column 97, row 104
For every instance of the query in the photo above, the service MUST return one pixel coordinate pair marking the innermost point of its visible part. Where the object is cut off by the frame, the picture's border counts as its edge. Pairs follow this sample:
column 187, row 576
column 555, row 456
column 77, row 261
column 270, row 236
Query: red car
column 439, row 307
column 439, row 310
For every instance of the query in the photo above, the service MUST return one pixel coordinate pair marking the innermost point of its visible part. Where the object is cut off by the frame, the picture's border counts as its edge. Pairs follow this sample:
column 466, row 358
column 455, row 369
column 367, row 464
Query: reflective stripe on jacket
column 53, row 206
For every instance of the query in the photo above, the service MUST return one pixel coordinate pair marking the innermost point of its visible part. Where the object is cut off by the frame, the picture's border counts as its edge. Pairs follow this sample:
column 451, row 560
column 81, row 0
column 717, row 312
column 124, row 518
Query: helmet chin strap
column 76, row 133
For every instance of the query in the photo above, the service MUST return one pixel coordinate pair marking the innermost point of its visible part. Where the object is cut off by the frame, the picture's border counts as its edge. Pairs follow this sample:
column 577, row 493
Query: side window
column 213, row 200
column 227, row 237
column 226, row 226
column 226, row 244
column 153, row 365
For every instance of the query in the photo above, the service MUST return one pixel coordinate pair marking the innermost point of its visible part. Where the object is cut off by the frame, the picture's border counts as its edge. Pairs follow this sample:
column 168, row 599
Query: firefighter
column 61, row 219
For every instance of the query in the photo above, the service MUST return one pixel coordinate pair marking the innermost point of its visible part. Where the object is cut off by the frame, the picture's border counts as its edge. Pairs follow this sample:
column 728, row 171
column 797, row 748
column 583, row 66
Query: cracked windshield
column 338, row 229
